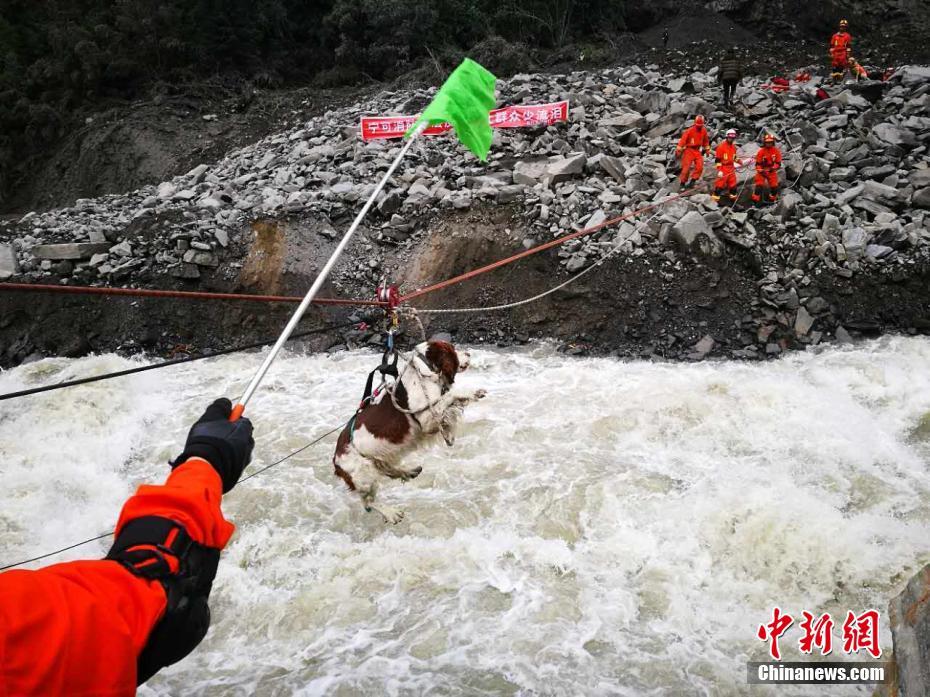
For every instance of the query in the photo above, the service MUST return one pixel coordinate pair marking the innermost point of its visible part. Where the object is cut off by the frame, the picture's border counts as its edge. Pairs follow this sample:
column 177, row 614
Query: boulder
column 567, row 167
column 914, row 75
column 194, row 256
column 9, row 266
column 70, row 250
column 909, row 615
column 613, row 167
column 623, row 121
column 895, row 135
column 694, row 235
column 530, row 172
column 803, row 322
column 921, row 198
column 788, row 204
column 855, row 241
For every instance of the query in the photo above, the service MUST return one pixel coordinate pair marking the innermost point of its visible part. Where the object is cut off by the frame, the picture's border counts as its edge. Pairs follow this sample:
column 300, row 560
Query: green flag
column 465, row 100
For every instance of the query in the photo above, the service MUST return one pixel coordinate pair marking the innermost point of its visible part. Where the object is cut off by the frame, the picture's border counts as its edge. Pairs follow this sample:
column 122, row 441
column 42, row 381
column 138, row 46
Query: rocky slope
column 846, row 250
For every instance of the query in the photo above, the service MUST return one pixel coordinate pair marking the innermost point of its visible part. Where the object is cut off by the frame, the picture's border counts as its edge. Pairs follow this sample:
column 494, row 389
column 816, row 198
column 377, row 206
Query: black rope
column 165, row 364
column 57, row 551
column 108, row 534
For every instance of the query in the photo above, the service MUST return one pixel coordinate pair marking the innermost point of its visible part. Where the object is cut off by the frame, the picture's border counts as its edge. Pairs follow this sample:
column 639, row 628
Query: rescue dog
column 421, row 407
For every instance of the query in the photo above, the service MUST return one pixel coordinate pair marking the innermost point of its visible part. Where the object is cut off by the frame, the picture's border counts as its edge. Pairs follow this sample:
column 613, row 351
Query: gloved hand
column 677, row 154
column 226, row 445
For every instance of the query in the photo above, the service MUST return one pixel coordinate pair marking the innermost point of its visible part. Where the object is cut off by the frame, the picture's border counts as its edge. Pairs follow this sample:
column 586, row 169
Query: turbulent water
column 599, row 528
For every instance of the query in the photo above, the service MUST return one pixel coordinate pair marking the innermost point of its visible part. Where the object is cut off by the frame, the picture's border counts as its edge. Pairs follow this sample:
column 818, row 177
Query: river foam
column 599, row 528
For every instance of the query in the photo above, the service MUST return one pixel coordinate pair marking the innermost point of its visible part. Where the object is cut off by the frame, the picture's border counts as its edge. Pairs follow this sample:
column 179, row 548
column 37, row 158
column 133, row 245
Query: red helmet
column 699, row 120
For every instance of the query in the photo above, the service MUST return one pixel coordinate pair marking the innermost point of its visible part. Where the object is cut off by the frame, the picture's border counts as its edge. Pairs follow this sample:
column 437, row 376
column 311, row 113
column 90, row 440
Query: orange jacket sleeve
column 78, row 628
column 684, row 139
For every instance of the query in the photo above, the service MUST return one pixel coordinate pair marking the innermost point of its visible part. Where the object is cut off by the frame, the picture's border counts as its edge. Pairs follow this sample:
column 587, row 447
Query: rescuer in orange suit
column 726, row 161
column 104, row 627
column 840, row 48
column 692, row 146
column 768, row 162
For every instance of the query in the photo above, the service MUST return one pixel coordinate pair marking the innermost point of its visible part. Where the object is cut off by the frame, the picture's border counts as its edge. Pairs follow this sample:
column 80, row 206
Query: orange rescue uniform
column 840, row 48
column 78, row 628
column 768, row 162
column 727, row 160
column 691, row 145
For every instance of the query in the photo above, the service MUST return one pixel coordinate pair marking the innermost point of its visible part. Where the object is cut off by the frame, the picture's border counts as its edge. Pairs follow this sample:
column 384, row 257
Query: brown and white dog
column 422, row 407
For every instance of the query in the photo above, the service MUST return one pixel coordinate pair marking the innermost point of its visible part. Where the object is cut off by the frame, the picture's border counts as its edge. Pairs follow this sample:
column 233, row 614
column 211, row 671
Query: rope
column 164, row 364
column 185, row 294
column 616, row 248
column 108, row 534
column 549, row 245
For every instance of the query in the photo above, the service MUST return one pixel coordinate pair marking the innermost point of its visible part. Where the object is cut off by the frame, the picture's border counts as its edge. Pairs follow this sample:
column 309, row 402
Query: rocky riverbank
column 846, row 250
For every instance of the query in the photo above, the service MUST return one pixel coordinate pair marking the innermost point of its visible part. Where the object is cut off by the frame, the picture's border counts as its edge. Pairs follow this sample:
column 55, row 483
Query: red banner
column 522, row 116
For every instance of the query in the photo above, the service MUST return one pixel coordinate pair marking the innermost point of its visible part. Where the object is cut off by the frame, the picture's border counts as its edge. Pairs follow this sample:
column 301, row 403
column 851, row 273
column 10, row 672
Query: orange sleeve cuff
column 191, row 496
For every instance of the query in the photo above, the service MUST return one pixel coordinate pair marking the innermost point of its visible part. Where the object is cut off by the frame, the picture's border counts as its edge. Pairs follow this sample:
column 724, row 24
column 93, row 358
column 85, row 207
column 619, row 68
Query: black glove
column 226, row 445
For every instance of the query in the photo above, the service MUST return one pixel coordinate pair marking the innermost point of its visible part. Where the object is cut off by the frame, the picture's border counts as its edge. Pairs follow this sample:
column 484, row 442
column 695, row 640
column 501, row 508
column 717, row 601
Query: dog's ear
column 442, row 355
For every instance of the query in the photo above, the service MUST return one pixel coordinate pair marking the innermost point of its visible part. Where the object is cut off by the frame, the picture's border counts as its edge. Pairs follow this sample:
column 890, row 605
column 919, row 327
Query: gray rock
column 817, row 304
column 185, row 270
column 197, row 173
column 194, row 256
column 877, row 251
column 921, row 198
column 509, row 193
column 919, row 178
column 391, row 203
column 71, row 250
column 596, row 219
column 704, row 346
column 895, row 135
column 530, row 172
column 576, row 263
column 694, row 235
column 222, row 237
column 788, row 204
column 613, row 167
column 623, row 121
column 842, row 336
column 909, row 616
column 165, row 191
column 123, row 249
column 803, row 322
column 9, row 265
column 887, row 195
column 914, row 76
column 567, row 167
column 855, row 241
column 185, row 195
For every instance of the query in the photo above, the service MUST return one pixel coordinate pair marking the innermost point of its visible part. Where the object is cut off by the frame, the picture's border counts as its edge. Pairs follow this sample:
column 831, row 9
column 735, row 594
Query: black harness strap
column 387, row 369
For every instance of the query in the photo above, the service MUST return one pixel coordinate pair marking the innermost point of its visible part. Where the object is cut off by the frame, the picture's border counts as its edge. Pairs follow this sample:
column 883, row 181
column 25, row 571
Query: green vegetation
column 59, row 56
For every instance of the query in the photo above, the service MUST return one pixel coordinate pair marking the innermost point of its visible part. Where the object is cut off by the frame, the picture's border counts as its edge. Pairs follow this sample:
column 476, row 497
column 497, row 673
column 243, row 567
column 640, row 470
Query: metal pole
column 320, row 279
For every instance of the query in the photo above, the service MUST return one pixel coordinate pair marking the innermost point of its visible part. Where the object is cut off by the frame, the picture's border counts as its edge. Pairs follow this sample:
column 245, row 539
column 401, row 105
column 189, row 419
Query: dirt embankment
column 674, row 307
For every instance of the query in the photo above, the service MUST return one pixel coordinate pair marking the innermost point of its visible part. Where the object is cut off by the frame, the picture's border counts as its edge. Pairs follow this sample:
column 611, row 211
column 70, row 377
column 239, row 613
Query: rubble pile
column 856, row 196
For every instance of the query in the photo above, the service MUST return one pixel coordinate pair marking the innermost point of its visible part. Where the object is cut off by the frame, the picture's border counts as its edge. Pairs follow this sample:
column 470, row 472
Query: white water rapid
column 599, row 528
